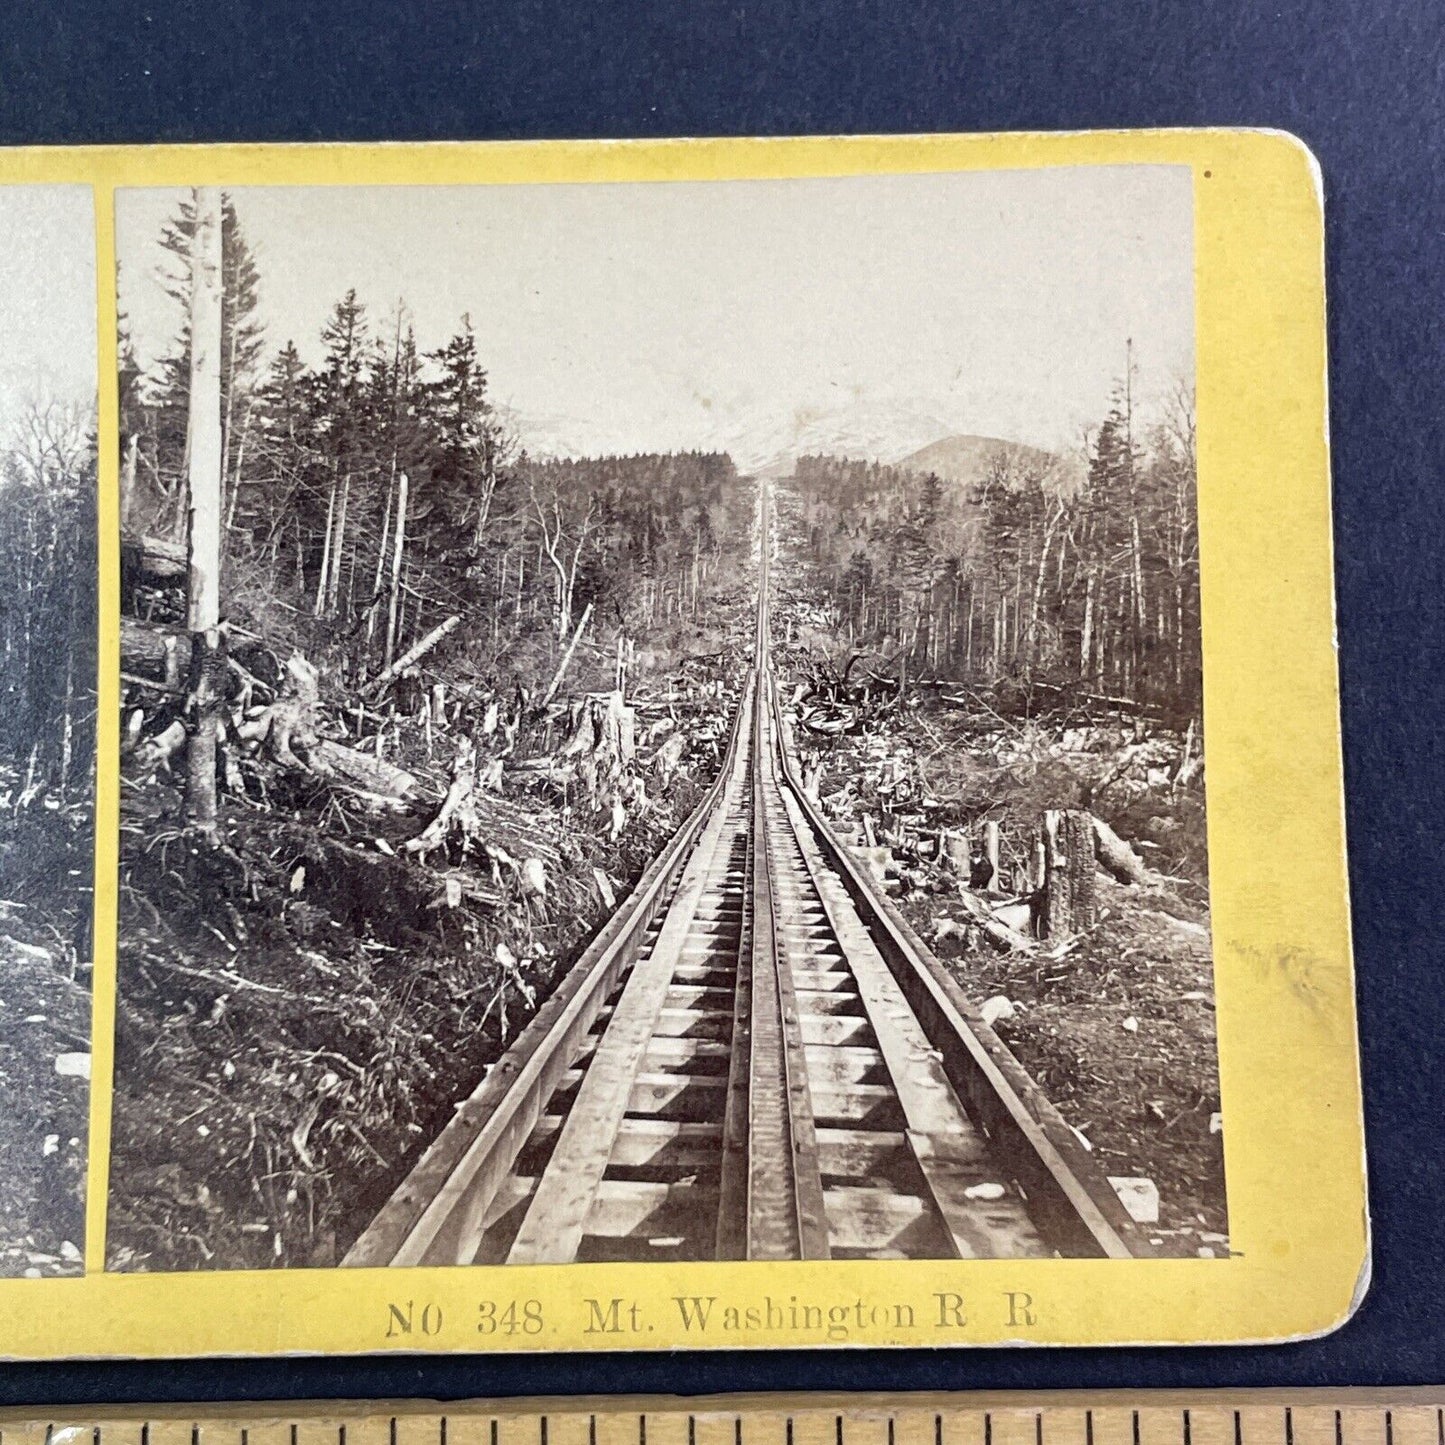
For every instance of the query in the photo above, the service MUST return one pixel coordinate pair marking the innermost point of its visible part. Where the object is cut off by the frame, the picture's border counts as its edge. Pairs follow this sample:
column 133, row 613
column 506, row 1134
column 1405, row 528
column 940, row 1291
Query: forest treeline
column 369, row 496
column 1025, row 574
column 47, row 607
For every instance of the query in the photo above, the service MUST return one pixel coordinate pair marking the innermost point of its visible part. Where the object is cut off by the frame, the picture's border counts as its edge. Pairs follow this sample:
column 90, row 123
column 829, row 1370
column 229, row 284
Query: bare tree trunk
column 323, row 583
column 338, row 548
column 381, row 552
column 484, row 502
column 127, row 482
column 203, row 445
column 567, row 656
column 240, row 454
column 234, row 496
column 391, row 611
column 229, row 403
column 991, row 854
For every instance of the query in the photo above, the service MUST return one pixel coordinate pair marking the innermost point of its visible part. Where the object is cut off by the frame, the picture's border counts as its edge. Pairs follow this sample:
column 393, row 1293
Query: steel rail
column 786, row 1218
column 1073, row 1205
column 732, row 1217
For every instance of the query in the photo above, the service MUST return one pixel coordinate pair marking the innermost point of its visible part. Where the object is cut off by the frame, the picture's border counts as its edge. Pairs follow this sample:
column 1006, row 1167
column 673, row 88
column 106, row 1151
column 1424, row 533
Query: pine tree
column 342, row 424
column 242, row 345
column 468, row 456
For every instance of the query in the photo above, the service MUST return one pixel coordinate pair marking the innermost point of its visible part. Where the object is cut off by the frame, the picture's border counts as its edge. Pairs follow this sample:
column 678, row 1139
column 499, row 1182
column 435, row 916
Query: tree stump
column 1067, row 902
column 992, row 883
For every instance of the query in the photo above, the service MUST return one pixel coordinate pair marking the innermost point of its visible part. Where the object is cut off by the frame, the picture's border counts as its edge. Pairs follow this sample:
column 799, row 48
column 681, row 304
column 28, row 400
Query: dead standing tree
column 555, row 543
column 203, row 578
column 1066, row 894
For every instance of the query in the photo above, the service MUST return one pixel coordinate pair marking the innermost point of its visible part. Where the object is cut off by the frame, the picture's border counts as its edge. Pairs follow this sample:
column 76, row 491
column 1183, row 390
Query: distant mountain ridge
column 761, row 443
column 967, row 458
column 769, row 445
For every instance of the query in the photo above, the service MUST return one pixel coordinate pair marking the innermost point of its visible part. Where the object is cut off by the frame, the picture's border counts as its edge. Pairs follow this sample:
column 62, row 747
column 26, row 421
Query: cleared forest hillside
column 459, row 697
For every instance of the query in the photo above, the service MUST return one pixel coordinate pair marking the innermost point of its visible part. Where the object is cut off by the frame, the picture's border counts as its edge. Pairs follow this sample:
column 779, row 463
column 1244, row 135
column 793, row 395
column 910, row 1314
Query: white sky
column 658, row 315
column 47, row 295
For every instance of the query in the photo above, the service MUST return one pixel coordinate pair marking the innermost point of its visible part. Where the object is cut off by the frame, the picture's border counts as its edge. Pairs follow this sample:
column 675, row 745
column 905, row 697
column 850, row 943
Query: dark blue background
column 1361, row 83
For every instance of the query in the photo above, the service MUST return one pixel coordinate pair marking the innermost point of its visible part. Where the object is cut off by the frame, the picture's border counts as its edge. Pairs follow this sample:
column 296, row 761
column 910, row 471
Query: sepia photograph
column 47, row 721
column 660, row 722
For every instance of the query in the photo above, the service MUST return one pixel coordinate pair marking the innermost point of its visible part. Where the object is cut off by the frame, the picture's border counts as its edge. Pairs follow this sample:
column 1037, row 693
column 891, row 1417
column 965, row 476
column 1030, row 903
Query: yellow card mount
column 751, row 762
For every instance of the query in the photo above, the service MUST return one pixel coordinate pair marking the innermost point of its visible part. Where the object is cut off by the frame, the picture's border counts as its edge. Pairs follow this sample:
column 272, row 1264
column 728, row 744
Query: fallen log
column 1117, row 858
column 414, row 654
column 146, row 644
column 152, row 561
column 1075, row 694
column 997, row 932
column 368, row 773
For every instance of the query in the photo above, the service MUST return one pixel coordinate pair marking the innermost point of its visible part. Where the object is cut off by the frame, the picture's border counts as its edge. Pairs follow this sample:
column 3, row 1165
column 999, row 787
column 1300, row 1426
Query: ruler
column 1307, row 1417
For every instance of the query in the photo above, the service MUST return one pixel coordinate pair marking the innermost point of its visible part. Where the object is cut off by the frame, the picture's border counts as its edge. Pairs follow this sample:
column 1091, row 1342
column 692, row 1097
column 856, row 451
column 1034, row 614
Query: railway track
column 755, row 1059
